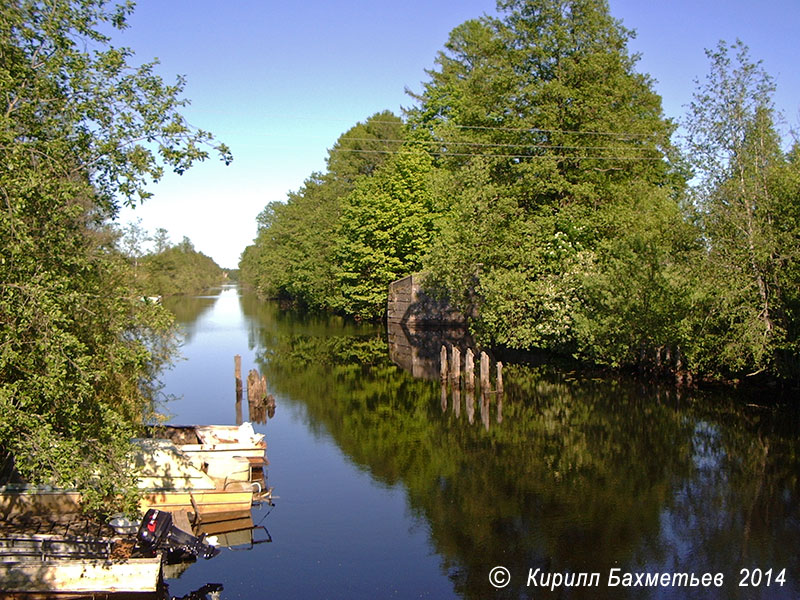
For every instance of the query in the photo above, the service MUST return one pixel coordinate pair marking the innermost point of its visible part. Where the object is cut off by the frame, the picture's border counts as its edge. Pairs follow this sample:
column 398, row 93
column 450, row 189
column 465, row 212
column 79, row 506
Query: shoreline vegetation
column 167, row 269
column 539, row 183
column 83, row 131
column 535, row 178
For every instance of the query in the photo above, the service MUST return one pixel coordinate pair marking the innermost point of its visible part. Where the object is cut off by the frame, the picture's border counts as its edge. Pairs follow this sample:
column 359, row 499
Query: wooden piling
column 455, row 365
column 469, row 369
column 484, row 372
column 443, row 363
column 257, row 396
column 499, row 377
column 237, row 372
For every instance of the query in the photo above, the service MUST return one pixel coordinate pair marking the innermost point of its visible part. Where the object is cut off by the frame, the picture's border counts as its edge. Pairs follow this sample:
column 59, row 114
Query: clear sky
column 279, row 82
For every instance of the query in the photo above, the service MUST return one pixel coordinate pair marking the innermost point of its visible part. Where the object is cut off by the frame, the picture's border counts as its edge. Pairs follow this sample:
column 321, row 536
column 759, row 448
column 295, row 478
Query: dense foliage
column 537, row 181
column 179, row 269
column 558, row 467
column 167, row 269
column 749, row 209
column 80, row 130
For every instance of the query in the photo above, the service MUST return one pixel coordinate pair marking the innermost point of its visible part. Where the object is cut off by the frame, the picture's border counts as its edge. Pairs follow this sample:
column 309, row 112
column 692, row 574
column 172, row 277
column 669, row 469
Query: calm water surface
column 389, row 488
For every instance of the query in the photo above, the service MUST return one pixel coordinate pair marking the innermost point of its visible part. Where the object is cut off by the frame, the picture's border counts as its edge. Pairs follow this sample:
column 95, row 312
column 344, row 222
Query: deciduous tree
column 747, row 197
column 81, row 130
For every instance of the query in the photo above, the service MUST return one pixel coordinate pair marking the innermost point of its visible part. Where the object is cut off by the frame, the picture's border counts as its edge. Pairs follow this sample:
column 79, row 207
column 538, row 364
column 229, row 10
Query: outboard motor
column 157, row 532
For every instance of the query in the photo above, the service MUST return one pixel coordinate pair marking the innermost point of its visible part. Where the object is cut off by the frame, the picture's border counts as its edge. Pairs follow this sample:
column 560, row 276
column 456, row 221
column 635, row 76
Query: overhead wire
column 620, row 134
column 469, row 154
column 494, row 145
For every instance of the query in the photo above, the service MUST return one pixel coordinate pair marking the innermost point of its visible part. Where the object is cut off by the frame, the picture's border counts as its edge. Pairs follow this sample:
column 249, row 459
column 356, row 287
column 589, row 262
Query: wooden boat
column 23, row 499
column 170, row 477
column 171, row 481
column 208, row 443
column 199, row 502
column 58, row 564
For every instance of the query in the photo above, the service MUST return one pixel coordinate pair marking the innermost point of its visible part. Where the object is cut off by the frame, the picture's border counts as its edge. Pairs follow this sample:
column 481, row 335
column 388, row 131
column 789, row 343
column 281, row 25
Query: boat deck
column 72, row 525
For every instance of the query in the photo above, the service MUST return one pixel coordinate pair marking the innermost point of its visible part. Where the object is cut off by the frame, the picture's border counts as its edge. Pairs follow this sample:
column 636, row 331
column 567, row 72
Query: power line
column 619, row 134
column 488, row 145
column 468, row 154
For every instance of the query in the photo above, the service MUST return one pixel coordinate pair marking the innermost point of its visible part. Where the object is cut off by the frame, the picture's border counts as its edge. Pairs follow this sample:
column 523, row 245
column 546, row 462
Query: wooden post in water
column 455, row 365
column 499, row 377
column 455, row 376
column 443, row 363
column 237, row 372
column 469, row 370
column 484, row 373
column 257, row 396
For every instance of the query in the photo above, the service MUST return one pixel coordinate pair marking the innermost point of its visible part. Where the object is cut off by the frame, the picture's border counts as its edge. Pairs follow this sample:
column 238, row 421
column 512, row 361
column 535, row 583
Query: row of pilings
column 454, row 377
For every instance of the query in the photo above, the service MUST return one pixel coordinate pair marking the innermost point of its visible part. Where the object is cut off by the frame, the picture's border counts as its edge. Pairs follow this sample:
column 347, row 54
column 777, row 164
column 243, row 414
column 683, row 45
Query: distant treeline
column 168, row 269
column 538, row 181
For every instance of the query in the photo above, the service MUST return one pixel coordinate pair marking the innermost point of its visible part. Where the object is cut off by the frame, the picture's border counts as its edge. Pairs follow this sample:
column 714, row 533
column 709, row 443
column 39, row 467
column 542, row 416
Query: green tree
column 133, row 239
column 81, row 130
column 547, row 129
column 161, row 240
column 293, row 255
column 385, row 230
column 179, row 269
column 747, row 198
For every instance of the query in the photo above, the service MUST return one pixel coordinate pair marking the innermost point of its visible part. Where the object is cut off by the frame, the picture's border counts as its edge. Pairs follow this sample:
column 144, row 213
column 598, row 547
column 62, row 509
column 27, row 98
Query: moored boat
column 205, row 443
column 67, row 564
column 170, row 480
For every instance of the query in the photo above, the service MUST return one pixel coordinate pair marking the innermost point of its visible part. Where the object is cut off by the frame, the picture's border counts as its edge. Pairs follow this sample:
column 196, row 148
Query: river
column 388, row 488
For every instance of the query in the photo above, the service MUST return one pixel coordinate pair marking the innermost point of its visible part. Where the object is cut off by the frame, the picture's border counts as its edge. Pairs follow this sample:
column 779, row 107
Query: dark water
column 389, row 489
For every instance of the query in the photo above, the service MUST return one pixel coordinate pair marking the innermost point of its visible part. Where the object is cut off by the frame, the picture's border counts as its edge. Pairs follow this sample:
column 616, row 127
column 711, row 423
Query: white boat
column 228, row 452
column 204, row 443
column 170, row 480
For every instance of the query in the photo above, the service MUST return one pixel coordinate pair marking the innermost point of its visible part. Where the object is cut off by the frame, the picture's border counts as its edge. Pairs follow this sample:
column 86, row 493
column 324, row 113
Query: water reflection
column 210, row 591
column 573, row 475
column 416, row 349
column 562, row 472
column 188, row 310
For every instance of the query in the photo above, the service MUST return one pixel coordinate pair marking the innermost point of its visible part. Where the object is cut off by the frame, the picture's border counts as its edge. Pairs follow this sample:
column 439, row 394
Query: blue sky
column 280, row 81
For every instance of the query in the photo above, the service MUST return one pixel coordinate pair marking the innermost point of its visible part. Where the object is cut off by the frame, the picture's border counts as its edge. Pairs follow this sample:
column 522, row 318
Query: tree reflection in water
column 575, row 474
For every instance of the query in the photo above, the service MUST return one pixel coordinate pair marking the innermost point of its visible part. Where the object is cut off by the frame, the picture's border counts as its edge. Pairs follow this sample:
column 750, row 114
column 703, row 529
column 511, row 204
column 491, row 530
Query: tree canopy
column 551, row 201
column 81, row 131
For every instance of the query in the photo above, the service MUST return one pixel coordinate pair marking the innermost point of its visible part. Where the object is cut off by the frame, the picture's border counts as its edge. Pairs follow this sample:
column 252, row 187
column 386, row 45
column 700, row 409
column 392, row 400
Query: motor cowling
column 157, row 532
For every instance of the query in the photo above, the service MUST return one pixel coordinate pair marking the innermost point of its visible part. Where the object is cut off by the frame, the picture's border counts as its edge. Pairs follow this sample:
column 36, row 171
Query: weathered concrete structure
column 408, row 303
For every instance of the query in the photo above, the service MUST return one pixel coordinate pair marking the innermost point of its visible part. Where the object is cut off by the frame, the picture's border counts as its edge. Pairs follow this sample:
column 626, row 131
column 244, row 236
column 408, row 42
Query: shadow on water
column 574, row 475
